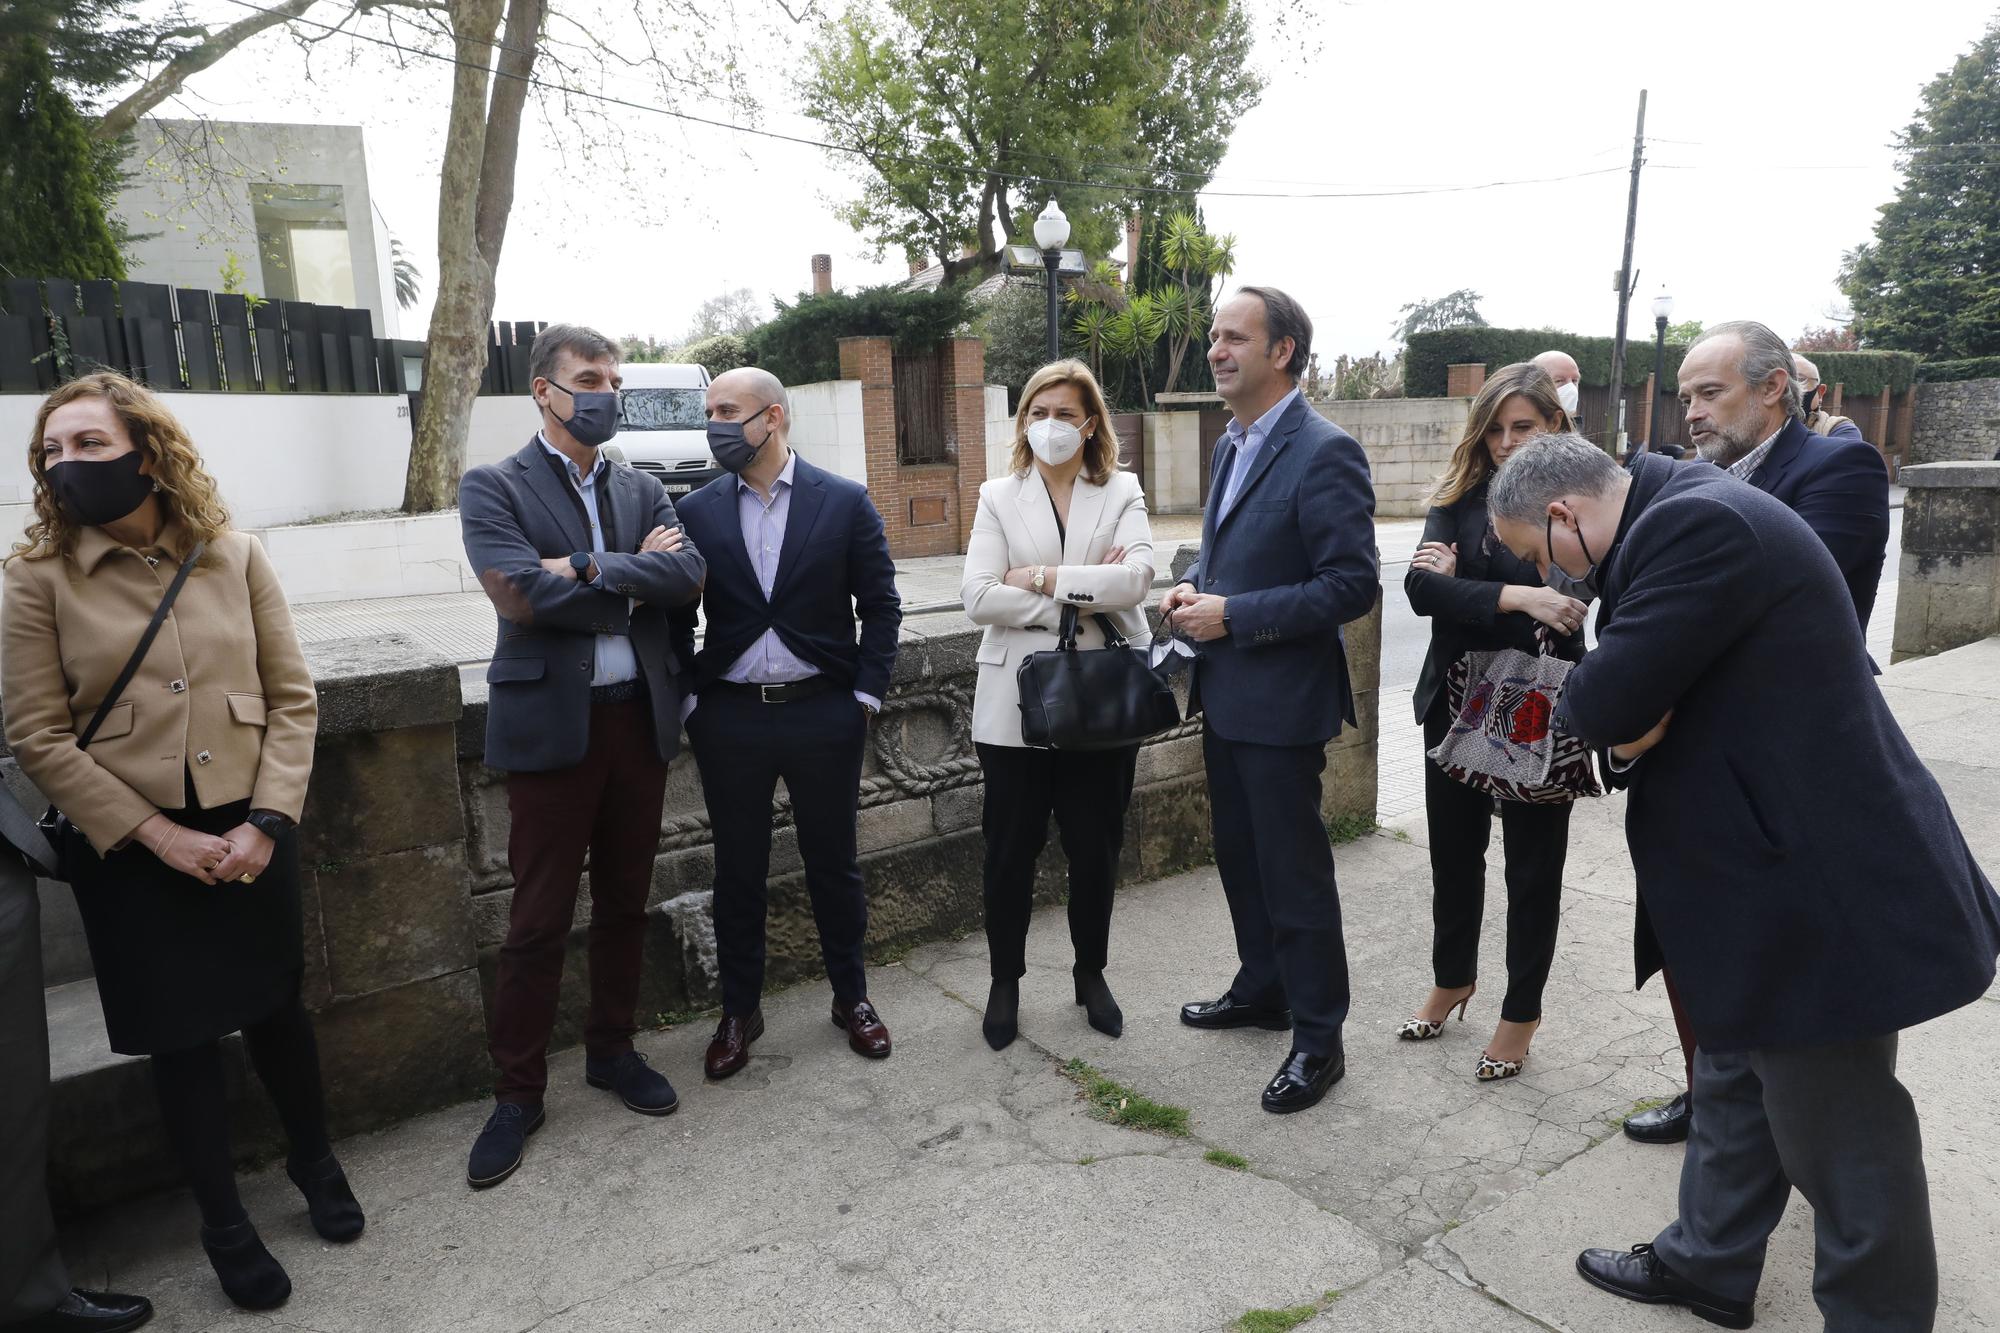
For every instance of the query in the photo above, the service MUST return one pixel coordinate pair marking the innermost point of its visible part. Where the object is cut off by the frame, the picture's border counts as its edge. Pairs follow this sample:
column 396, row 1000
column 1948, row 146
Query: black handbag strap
column 139, row 653
column 1066, row 636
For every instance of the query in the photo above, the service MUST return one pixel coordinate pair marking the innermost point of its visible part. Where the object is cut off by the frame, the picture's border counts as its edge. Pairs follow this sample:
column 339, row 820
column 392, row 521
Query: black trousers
column 1277, row 871
column 743, row 746
column 1536, row 838
column 1087, row 793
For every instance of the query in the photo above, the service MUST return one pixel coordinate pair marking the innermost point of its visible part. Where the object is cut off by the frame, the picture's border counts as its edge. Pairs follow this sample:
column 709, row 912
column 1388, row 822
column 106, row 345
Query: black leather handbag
column 1092, row 699
column 54, row 824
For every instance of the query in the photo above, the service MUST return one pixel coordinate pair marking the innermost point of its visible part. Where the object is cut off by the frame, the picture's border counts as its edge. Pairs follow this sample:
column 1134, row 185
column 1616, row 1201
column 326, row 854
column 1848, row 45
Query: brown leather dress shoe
column 864, row 1028
column 729, row 1049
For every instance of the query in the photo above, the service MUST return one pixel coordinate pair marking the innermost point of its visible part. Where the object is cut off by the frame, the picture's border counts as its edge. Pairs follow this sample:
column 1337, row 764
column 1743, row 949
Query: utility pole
column 1617, row 423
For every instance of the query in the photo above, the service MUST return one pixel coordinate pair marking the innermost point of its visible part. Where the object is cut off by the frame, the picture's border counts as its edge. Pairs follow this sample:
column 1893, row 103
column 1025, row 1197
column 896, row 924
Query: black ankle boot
column 1003, row 1014
column 250, row 1276
column 1098, row 1004
column 335, row 1213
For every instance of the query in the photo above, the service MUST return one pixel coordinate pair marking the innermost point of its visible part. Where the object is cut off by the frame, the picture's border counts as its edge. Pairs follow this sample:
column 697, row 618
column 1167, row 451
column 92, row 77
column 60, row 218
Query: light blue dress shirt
column 616, row 662
column 1246, row 442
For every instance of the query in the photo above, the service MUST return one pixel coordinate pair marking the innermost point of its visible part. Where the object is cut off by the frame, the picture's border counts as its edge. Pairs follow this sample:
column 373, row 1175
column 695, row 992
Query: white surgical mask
column 1054, row 442
column 1566, row 394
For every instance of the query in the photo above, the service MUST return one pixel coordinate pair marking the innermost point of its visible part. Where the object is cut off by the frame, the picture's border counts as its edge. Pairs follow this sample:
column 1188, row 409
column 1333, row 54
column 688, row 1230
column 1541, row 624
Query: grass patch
column 1347, row 828
column 673, row 1018
column 1274, row 1321
column 891, row 954
column 1224, row 1158
column 1117, row 1104
column 1086, row 1160
column 1402, row 835
column 1640, row 1107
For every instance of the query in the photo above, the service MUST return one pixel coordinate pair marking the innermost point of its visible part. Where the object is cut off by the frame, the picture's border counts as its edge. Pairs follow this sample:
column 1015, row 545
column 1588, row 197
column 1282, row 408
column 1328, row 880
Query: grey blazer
column 520, row 511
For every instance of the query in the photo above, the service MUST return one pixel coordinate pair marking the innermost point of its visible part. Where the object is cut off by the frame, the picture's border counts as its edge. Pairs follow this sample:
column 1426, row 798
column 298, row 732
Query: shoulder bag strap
column 139, row 653
column 1112, row 638
column 1066, row 633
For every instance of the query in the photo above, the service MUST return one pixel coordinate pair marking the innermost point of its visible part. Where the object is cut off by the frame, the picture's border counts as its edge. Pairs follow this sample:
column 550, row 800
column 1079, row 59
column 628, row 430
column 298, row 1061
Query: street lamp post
column 1051, row 234
column 1663, row 310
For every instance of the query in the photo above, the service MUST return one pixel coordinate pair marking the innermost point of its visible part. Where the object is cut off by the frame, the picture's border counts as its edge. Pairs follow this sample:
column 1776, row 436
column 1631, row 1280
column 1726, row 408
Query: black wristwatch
column 268, row 822
column 581, row 563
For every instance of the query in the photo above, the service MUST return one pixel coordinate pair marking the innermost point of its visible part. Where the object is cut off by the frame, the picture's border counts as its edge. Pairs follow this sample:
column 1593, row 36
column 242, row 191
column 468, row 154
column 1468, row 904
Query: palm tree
column 409, row 281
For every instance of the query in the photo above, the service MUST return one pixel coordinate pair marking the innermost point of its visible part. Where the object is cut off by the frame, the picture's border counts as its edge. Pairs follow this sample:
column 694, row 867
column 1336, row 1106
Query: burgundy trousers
column 609, row 807
column 1680, row 1023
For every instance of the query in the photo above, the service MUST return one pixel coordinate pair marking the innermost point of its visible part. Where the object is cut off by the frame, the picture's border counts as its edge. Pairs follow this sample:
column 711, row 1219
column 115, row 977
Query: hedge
column 801, row 345
column 1947, row 372
column 717, row 353
column 1429, row 354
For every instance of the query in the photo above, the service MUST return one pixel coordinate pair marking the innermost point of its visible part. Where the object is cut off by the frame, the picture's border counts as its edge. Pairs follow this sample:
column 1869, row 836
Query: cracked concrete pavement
column 950, row 1188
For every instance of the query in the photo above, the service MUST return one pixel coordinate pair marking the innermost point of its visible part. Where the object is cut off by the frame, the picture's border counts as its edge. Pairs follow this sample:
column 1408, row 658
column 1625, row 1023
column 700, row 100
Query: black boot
column 1003, row 1014
column 335, row 1213
column 1098, row 1004
column 250, row 1276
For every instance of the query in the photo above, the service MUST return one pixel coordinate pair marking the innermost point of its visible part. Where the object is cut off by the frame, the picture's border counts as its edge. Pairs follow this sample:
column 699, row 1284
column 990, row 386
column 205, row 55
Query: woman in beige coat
column 1064, row 527
column 182, row 851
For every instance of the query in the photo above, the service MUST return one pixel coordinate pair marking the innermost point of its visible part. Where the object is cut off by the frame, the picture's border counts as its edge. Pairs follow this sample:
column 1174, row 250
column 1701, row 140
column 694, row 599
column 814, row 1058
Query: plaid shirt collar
column 1746, row 467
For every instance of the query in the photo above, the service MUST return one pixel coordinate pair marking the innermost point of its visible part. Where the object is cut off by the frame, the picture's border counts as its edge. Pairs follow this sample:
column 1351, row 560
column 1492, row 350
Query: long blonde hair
column 187, row 493
column 1470, row 464
column 1100, row 447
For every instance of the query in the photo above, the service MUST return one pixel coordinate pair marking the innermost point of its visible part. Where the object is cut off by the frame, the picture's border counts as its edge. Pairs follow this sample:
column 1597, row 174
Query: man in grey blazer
column 35, row 1294
column 1287, row 558
column 583, row 558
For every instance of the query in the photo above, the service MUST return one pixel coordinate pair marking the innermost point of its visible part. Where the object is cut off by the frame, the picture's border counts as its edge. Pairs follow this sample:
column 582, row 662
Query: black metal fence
column 186, row 339
column 921, row 436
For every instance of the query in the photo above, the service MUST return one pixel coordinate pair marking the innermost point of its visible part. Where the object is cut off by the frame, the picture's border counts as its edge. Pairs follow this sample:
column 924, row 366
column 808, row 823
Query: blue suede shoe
column 497, row 1150
column 638, row 1085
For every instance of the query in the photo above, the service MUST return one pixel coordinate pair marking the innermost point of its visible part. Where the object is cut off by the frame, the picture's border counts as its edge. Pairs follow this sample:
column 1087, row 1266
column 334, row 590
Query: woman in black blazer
column 1479, row 596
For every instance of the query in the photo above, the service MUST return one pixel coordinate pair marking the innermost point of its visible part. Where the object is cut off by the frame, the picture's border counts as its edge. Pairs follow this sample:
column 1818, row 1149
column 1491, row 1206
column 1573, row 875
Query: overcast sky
column 1770, row 124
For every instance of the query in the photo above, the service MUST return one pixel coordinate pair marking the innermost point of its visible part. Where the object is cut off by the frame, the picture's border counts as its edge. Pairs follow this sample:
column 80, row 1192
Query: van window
column 664, row 409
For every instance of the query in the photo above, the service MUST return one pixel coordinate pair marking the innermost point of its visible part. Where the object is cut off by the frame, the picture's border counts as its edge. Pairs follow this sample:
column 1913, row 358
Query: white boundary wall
column 826, row 427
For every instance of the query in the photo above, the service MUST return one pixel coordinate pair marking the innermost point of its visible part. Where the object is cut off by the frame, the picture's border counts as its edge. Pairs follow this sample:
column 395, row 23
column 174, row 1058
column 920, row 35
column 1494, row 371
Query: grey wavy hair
column 1548, row 467
column 1764, row 354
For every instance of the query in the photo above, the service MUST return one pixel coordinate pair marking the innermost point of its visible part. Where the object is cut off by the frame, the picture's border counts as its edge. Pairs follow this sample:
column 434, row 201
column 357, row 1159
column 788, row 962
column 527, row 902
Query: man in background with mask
column 1562, row 368
column 583, row 558
column 783, row 688
column 1811, row 394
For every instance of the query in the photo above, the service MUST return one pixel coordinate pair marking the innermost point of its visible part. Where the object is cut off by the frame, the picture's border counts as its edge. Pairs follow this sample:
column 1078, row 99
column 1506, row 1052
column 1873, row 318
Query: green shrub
column 716, row 353
column 1947, row 372
column 801, row 345
column 1429, row 354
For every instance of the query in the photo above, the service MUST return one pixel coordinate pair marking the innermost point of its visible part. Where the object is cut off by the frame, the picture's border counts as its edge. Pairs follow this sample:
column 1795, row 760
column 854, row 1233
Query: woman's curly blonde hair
column 186, row 491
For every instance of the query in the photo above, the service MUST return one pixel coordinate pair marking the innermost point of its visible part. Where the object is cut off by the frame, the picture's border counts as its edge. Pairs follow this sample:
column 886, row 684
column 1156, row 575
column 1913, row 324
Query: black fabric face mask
column 95, row 492
column 593, row 416
column 731, row 447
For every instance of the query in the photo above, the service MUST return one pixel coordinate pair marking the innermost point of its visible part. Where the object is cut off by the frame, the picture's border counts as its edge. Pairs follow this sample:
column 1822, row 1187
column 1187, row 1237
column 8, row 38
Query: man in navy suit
column 1287, row 558
column 582, row 557
column 783, row 687
column 1744, row 414
column 1797, row 866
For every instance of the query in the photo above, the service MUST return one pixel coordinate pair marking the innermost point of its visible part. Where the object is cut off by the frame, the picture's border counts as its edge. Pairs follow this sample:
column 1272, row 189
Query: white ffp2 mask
column 1567, row 395
column 1054, row 442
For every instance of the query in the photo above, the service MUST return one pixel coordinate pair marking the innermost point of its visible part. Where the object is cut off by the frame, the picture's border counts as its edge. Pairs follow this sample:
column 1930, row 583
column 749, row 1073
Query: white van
column 663, row 425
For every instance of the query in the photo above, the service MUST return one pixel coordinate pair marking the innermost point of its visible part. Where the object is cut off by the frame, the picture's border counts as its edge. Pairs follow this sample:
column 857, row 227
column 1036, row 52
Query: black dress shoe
column 336, row 1215
column 498, row 1149
column 1663, row 1124
column 641, row 1087
column 1002, row 1022
column 1229, row 1012
column 1302, row 1080
column 89, row 1312
column 250, row 1275
column 1099, row 1005
column 1638, row 1275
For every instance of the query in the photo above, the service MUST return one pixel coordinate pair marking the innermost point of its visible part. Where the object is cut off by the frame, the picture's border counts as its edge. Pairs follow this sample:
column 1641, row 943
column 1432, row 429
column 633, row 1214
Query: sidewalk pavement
column 950, row 1188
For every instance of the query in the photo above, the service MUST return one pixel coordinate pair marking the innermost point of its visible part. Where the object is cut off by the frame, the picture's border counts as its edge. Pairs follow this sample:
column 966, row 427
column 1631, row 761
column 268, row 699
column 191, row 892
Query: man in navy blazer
column 1287, row 557
column 582, row 558
column 1797, row 867
column 783, row 688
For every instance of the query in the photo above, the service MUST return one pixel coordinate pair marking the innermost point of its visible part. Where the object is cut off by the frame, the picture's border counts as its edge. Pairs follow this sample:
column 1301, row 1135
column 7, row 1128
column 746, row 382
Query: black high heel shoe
column 1098, row 1005
column 335, row 1213
column 250, row 1276
column 1003, row 1014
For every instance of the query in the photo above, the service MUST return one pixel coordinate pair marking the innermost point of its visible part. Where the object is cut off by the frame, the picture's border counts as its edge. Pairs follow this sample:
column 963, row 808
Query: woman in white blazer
column 1064, row 527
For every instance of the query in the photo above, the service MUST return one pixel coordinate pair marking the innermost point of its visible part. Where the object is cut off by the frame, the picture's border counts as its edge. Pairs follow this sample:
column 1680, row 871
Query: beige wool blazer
column 1016, row 527
column 224, row 693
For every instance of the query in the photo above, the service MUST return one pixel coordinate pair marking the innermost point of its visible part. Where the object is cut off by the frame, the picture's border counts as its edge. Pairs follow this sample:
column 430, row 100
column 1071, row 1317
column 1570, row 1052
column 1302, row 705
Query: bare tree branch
column 114, row 123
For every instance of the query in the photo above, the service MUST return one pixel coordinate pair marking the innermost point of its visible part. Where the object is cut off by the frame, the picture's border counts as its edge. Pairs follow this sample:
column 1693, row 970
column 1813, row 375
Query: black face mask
column 731, row 447
column 94, row 493
column 593, row 416
column 1809, row 400
column 1584, row 589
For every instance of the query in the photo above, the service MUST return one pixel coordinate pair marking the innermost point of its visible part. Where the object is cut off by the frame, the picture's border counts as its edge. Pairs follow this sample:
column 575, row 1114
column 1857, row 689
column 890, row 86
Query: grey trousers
column 33, row 1280
column 1833, row 1121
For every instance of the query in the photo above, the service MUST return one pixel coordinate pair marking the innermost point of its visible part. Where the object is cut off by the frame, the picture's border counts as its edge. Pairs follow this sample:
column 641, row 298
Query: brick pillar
column 1464, row 381
column 822, row 266
column 870, row 361
column 967, row 363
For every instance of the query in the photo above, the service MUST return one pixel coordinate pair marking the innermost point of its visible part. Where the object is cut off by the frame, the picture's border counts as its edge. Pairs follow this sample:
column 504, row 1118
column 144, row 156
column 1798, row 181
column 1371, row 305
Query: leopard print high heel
column 1423, row 1029
column 1491, row 1070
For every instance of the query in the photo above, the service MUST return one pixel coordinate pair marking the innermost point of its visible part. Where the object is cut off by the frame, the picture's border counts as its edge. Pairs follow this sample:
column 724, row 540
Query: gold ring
column 247, row 879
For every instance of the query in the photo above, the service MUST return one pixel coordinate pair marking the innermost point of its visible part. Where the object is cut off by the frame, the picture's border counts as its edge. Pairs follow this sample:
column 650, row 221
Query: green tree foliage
column 1194, row 262
column 1454, row 310
column 1015, row 326
column 968, row 114
column 92, row 45
column 1930, row 280
column 716, row 353
column 1686, row 332
column 53, row 181
column 802, row 344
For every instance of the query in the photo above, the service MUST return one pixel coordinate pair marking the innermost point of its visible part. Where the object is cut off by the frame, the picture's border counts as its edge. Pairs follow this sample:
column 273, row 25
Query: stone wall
column 1948, row 585
column 407, row 889
column 1956, row 423
column 1408, row 442
column 1171, row 447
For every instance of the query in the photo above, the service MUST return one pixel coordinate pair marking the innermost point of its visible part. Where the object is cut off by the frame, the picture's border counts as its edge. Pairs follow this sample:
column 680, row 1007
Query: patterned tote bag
column 1503, row 738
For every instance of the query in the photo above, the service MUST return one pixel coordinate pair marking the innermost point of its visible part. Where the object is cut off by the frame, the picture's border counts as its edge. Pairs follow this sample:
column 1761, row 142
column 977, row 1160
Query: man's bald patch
column 1560, row 366
column 756, row 383
column 1805, row 369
